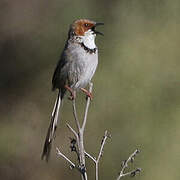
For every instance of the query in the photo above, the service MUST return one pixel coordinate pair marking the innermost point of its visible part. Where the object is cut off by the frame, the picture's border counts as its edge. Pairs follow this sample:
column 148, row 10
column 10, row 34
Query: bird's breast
column 82, row 67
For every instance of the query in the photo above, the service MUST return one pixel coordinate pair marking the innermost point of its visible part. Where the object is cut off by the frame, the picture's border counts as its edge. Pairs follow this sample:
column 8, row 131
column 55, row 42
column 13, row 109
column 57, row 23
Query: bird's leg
column 88, row 94
column 72, row 93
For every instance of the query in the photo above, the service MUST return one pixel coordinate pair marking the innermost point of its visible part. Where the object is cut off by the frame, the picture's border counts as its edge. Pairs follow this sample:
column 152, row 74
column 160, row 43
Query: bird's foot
column 88, row 94
column 72, row 93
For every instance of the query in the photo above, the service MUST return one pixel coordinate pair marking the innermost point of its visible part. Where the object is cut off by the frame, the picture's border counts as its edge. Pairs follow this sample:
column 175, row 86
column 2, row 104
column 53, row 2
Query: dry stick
column 100, row 153
column 73, row 131
column 62, row 155
column 87, row 107
column 75, row 115
column 76, row 136
column 125, row 165
column 80, row 144
column 80, row 138
column 91, row 157
column 96, row 161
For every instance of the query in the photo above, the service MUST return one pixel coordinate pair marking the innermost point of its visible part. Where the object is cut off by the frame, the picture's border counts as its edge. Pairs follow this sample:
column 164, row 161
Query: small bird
column 74, row 71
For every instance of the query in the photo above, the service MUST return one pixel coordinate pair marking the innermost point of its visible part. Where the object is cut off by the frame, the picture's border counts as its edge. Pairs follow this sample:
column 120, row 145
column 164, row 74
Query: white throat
column 89, row 39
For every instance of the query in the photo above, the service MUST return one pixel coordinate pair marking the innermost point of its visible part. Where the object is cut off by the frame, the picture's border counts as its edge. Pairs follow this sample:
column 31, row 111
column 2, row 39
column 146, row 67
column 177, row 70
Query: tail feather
column 52, row 128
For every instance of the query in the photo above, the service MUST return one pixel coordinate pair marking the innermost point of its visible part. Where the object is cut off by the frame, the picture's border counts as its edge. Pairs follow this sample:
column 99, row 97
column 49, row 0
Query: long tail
column 52, row 128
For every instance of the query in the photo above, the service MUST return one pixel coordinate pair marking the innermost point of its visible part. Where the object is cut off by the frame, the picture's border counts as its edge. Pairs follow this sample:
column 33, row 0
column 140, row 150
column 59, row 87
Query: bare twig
column 96, row 161
column 75, row 115
column 77, row 145
column 131, row 173
column 80, row 135
column 102, row 145
column 80, row 144
column 101, row 153
column 91, row 157
column 87, row 107
column 72, row 130
column 59, row 153
column 125, row 165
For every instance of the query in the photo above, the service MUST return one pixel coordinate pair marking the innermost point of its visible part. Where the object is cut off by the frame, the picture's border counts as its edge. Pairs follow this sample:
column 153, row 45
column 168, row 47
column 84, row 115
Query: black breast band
column 88, row 50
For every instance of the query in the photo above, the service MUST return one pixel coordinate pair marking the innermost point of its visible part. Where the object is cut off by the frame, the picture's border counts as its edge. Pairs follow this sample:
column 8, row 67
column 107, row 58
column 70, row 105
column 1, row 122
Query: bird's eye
column 86, row 25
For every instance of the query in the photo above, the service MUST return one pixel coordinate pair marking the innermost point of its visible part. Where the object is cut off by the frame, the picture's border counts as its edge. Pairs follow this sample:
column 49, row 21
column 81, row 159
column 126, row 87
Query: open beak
column 97, row 32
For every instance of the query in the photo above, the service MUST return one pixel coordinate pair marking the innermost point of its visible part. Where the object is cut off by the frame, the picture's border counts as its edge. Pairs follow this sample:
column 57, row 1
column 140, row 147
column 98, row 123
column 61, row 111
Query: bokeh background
column 136, row 87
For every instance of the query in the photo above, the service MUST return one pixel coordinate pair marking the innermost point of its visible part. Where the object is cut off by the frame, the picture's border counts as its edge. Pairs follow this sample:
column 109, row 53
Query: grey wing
column 60, row 74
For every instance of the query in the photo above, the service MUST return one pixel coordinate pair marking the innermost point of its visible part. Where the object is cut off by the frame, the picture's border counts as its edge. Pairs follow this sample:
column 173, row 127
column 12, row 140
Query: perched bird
column 75, row 69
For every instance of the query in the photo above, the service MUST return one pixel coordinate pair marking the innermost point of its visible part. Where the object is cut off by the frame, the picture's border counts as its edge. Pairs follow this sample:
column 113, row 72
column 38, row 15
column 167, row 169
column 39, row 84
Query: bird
column 74, row 70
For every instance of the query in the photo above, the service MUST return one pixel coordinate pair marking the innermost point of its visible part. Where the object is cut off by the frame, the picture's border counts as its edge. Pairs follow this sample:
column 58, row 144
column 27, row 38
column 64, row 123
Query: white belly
column 90, row 62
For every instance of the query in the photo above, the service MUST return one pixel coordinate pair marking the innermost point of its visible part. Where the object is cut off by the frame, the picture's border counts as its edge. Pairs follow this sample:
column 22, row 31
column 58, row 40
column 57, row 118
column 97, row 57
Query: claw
column 72, row 93
column 88, row 94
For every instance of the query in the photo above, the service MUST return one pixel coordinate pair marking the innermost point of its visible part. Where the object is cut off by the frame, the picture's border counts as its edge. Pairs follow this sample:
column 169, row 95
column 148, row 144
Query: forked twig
column 77, row 145
column 91, row 157
column 80, row 134
column 125, row 165
column 96, row 161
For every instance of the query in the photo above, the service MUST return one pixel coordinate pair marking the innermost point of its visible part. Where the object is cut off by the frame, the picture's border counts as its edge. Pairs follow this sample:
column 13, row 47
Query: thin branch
column 80, row 134
column 125, row 165
column 102, row 145
column 132, row 173
column 77, row 139
column 91, row 157
column 131, row 158
column 87, row 107
column 81, row 153
column 59, row 153
column 75, row 115
column 101, row 153
column 72, row 130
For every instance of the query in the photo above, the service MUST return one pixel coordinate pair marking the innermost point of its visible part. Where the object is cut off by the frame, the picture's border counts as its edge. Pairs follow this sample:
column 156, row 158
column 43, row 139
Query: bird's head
column 86, row 30
column 82, row 27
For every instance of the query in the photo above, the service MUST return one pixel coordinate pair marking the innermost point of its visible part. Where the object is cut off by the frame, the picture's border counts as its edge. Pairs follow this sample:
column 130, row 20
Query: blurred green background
column 136, row 87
